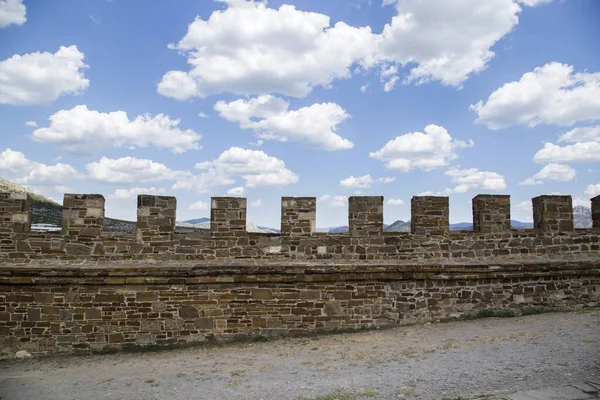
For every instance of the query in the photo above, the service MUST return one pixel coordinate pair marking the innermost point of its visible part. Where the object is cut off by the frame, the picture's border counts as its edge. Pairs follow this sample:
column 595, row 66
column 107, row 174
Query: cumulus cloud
column 395, row 202
column 389, row 179
column 551, row 172
column 12, row 12
column 255, row 167
column 16, row 167
column 338, row 201
column 470, row 179
column 583, row 146
column 269, row 118
column 256, row 203
column 200, row 205
column 433, row 149
column 364, row 181
column 451, row 51
column 593, row 190
column 131, row 170
column 236, row 191
column 249, row 48
column 32, row 124
column 83, row 131
column 333, row 201
column 130, row 194
column 552, row 94
column 41, row 78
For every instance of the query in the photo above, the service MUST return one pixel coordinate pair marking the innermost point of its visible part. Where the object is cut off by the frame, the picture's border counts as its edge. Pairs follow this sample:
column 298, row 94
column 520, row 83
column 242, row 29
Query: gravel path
column 448, row 360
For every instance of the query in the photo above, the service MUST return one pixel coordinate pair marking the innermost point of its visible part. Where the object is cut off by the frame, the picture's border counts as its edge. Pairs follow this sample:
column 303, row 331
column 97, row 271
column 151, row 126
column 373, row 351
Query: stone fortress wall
column 82, row 290
column 430, row 237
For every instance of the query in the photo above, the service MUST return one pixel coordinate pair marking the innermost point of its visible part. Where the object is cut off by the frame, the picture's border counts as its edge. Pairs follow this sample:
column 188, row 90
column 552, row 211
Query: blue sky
column 195, row 98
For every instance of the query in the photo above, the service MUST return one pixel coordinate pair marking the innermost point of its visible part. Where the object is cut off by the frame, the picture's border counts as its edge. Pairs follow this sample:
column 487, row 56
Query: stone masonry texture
column 491, row 213
column 83, row 215
column 553, row 213
column 81, row 291
column 596, row 212
column 15, row 212
column 365, row 215
column 155, row 218
column 227, row 216
column 298, row 216
column 429, row 215
column 74, row 309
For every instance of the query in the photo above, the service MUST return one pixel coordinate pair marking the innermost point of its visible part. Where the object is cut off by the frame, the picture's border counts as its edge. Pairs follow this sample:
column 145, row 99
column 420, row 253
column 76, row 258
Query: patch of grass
column 238, row 372
column 496, row 314
column 536, row 310
column 236, row 382
column 365, row 393
column 150, row 381
column 180, row 374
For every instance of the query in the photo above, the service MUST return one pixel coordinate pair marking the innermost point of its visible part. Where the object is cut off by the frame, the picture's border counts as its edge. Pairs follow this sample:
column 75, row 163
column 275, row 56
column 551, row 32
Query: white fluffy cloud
column 200, row 205
column 32, row 124
column 448, row 40
column 270, row 119
column 593, row 190
column 583, row 146
column 15, row 166
column 130, row 170
column 249, row 48
column 255, row 167
column 236, row 191
column 395, row 202
column 339, row 202
column 129, row 194
column 80, row 130
column 12, row 12
column 335, row 201
column 551, row 94
column 551, row 172
column 433, row 149
column 41, row 78
column 364, row 182
column 470, row 179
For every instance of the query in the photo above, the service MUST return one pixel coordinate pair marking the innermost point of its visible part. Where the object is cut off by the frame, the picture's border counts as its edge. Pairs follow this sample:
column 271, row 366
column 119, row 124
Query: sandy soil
column 436, row 361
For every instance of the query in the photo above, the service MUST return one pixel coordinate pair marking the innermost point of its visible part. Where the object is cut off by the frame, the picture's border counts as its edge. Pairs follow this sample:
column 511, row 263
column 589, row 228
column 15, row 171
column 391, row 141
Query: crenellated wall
column 430, row 237
column 81, row 289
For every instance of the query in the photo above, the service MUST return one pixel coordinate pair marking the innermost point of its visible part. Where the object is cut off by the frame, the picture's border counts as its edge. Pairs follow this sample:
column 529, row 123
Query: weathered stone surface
column 553, row 213
column 365, row 215
column 429, row 215
column 83, row 215
column 156, row 217
column 15, row 212
column 491, row 213
column 289, row 298
column 596, row 212
column 228, row 216
column 298, row 216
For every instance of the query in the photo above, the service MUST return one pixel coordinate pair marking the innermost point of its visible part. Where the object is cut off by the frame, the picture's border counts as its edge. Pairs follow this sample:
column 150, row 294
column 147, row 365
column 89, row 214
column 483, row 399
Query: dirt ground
column 435, row 361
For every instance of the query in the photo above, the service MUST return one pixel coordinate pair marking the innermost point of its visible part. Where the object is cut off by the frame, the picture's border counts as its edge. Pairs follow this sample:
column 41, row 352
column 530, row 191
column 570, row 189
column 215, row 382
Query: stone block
column 491, row 213
column 228, row 216
column 596, row 212
column 429, row 215
column 15, row 212
column 298, row 216
column 155, row 218
column 553, row 213
column 365, row 215
column 83, row 215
